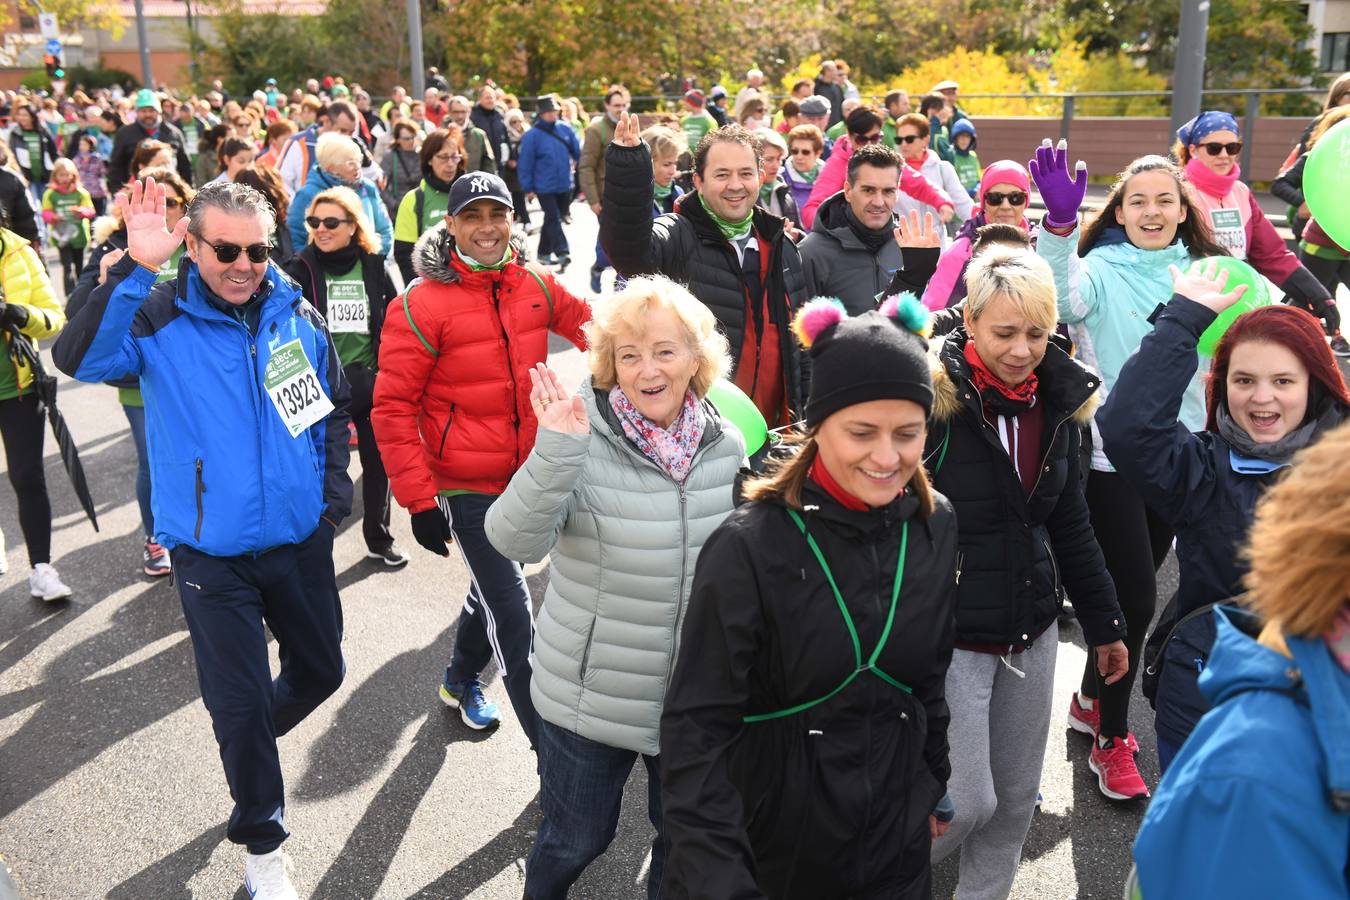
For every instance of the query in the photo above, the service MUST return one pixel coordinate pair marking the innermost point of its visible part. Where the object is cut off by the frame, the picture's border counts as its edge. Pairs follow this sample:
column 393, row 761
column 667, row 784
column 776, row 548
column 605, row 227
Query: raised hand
column 107, row 262
column 910, row 232
column 149, row 240
column 946, row 212
column 1206, row 287
column 554, row 409
column 1061, row 192
column 628, row 133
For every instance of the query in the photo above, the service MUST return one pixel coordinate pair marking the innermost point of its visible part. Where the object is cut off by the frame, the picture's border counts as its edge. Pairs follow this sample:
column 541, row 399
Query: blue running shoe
column 478, row 712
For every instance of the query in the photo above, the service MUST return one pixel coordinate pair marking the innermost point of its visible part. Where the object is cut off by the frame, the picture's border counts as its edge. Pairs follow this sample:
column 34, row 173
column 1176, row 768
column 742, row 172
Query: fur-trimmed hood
column 431, row 256
column 104, row 227
column 1065, row 383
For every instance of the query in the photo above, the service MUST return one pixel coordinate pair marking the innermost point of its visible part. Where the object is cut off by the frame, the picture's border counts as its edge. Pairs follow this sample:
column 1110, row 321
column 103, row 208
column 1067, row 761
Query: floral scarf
column 671, row 448
column 997, row 396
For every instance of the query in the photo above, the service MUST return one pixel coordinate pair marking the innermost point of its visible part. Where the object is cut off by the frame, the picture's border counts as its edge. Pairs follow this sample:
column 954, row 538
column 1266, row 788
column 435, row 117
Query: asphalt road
column 110, row 785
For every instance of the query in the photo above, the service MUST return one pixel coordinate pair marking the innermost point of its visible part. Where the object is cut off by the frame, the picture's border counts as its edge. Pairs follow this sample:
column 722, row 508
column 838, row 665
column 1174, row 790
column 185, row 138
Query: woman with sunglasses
column 342, row 273
column 338, row 159
column 911, row 139
column 1208, row 148
column 1002, row 200
column 110, row 242
column 864, row 127
column 441, row 160
column 402, row 168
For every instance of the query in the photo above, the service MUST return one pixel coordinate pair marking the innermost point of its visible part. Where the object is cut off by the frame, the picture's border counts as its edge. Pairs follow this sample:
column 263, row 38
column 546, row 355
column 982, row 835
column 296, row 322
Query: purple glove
column 1061, row 194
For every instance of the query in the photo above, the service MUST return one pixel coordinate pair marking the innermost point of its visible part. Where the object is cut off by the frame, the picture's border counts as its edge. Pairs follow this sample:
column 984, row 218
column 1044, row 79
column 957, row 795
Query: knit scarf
column 766, row 193
column 809, row 176
column 475, row 266
column 1338, row 638
column 732, row 231
column 872, row 239
column 339, row 261
column 1280, row 451
column 659, row 193
column 670, row 448
column 994, row 394
column 1209, row 181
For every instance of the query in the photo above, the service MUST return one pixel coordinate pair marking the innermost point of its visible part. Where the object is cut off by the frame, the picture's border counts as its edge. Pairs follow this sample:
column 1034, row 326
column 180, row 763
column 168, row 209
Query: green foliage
column 93, row 79
column 36, row 81
column 251, row 47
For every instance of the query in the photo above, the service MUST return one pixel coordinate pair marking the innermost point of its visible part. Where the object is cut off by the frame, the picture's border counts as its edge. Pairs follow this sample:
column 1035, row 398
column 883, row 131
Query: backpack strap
column 407, row 311
column 419, row 205
column 543, row 287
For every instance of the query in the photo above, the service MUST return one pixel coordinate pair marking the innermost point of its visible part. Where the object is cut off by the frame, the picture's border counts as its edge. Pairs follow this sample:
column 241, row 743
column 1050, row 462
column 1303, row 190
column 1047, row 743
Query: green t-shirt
column 33, row 141
column 130, row 397
column 407, row 227
column 9, row 375
column 169, row 270
column 191, row 138
column 695, row 126
column 967, row 167
column 69, row 229
column 349, row 317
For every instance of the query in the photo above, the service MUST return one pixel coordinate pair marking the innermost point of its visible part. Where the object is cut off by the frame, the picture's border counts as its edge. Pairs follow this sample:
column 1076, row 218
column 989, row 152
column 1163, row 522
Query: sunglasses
column 228, row 253
column 1014, row 198
column 332, row 223
column 910, row 138
column 172, row 203
column 1214, row 148
column 803, row 151
column 874, row 138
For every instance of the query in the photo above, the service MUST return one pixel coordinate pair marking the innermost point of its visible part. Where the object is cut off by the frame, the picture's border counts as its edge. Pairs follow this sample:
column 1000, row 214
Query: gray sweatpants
column 999, row 727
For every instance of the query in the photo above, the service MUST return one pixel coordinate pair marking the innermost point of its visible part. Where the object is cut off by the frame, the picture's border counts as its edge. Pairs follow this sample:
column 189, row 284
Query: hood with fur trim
column 431, row 254
column 1065, row 382
column 104, row 227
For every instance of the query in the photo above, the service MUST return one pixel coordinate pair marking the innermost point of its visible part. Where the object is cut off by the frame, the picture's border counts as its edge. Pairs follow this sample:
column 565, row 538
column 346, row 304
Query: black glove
column 1329, row 314
column 432, row 530
column 13, row 314
column 1303, row 289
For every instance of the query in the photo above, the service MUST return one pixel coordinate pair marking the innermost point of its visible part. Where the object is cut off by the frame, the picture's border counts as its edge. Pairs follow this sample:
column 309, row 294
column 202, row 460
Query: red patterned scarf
column 997, row 396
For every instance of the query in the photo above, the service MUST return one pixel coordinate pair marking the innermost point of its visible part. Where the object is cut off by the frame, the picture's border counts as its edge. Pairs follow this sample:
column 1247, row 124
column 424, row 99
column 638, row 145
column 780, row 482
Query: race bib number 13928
column 294, row 388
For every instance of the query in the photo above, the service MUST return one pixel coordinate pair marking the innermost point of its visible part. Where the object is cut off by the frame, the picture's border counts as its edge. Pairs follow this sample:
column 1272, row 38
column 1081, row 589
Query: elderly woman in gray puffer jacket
column 626, row 481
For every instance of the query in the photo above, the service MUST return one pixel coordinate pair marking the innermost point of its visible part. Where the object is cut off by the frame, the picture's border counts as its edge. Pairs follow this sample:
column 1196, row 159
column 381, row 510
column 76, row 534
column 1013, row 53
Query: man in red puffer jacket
column 453, row 419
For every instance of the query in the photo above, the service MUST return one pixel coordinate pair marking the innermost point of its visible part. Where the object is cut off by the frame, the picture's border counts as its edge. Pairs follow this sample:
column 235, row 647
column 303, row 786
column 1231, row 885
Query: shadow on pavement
column 167, row 878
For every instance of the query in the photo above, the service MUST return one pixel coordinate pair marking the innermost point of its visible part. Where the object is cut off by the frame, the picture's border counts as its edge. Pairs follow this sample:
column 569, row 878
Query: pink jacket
column 1259, row 243
column 831, row 181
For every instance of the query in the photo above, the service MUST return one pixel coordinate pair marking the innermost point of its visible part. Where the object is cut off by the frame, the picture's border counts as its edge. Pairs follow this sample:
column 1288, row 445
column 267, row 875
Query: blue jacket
column 319, row 181
column 547, row 152
column 1195, row 481
column 229, row 478
column 1257, row 803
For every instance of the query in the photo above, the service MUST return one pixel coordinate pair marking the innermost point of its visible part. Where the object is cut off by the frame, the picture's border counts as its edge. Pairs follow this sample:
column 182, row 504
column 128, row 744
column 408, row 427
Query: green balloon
column 1326, row 183
column 1257, row 294
column 741, row 412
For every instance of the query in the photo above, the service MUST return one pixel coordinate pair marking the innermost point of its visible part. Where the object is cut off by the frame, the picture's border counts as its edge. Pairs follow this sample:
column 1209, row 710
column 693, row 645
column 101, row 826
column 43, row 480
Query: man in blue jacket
column 547, row 154
column 246, row 421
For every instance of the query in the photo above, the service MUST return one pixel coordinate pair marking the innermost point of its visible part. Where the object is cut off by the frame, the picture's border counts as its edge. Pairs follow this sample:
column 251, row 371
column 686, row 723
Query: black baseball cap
column 478, row 186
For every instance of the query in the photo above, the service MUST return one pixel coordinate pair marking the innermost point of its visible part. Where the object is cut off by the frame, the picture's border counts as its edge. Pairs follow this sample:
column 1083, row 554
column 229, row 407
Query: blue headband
column 1194, row 131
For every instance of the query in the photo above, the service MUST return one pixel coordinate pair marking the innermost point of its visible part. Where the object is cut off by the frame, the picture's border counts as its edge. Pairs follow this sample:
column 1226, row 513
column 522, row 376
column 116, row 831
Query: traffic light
column 53, row 64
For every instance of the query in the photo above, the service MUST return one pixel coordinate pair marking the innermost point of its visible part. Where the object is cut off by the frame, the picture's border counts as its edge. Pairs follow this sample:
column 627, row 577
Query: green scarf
column 811, row 176
column 659, row 194
column 766, row 193
column 732, row 231
column 475, row 266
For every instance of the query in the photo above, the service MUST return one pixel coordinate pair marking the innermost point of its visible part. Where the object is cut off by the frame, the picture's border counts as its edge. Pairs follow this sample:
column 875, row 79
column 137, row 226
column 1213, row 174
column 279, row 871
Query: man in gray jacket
column 479, row 154
column 852, row 252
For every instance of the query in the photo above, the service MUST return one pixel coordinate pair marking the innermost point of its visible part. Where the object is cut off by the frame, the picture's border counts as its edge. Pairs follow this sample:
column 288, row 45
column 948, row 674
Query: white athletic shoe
column 45, row 584
column 267, row 876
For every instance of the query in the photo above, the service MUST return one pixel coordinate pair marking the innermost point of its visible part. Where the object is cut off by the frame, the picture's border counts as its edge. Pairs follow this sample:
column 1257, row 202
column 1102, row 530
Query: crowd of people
column 975, row 422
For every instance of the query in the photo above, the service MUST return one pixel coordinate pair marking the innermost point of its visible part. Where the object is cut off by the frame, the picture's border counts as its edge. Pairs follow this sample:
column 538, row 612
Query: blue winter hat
column 1205, row 124
column 963, row 126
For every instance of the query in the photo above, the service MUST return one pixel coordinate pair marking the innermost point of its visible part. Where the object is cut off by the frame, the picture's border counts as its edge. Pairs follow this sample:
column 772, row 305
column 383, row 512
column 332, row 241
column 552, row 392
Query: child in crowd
column 67, row 209
column 964, row 158
column 92, row 169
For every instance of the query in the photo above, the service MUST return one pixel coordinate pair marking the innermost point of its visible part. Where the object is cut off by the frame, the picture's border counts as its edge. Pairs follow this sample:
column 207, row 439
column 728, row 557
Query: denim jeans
column 497, row 619
column 136, row 418
column 581, row 790
column 551, row 236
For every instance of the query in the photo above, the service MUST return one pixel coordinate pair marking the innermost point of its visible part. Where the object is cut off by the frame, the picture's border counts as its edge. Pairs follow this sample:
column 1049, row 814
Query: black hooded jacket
column 832, row 801
column 687, row 247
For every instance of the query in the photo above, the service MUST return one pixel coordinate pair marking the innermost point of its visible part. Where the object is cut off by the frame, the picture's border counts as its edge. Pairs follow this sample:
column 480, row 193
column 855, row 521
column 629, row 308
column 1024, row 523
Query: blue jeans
column 497, row 619
column 1167, row 751
column 580, row 790
column 136, row 417
column 551, row 236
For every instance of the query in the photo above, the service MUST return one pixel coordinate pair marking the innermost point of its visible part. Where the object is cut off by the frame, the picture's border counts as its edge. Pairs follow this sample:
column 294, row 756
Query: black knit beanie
column 879, row 355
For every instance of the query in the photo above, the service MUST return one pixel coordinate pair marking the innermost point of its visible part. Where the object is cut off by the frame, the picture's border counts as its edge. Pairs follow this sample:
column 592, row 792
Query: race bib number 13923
column 294, row 388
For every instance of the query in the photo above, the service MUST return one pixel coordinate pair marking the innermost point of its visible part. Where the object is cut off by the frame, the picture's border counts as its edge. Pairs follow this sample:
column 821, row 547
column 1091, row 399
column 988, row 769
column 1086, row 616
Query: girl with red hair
column 1274, row 389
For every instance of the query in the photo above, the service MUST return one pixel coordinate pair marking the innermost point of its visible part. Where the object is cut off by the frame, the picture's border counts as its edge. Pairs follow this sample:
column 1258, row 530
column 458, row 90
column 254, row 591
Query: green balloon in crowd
column 740, row 410
column 1326, row 183
column 1239, row 272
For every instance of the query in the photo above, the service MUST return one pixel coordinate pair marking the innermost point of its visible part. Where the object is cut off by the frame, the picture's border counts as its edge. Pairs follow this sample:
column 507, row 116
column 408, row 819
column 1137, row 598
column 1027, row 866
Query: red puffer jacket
column 452, row 401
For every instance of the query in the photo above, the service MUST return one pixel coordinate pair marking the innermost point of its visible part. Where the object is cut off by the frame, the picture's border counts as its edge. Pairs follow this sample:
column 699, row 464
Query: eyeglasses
column 172, row 203
column 803, row 151
column 447, row 157
column 228, row 253
column 1014, row 198
column 407, row 136
column 1214, row 148
column 909, row 138
column 332, row 223
column 873, row 138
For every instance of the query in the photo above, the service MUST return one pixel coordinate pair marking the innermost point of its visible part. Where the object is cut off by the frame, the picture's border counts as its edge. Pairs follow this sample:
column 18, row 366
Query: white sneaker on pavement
column 44, row 583
column 267, row 876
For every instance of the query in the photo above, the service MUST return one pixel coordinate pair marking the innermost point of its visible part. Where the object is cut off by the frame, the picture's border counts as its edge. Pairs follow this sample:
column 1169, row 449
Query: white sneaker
column 44, row 583
column 267, row 876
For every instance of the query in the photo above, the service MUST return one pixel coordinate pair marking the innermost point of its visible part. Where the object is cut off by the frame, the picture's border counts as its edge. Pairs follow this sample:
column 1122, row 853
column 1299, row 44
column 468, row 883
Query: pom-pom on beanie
column 879, row 355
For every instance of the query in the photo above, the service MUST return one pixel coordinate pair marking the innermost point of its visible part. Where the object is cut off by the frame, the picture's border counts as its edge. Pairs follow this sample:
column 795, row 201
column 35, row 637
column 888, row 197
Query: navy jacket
column 547, row 152
column 229, row 478
column 1189, row 479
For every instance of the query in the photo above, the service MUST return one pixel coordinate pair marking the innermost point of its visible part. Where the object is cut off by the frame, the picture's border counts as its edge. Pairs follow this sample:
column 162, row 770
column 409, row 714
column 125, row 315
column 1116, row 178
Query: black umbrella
column 44, row 385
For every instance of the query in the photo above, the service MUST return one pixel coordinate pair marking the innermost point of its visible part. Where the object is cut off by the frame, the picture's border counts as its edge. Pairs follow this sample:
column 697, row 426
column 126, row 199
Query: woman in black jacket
column 342, row 273
column 1274, row 388
column 1003, row 445
column 803, row 740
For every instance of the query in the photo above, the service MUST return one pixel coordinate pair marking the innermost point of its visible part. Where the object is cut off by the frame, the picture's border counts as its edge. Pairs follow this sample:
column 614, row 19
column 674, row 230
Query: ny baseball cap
column 477, row 186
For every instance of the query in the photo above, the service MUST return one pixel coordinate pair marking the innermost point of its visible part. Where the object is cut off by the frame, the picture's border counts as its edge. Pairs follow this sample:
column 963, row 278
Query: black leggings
column 72, row 264
column 1135, row 541
column 22, row 428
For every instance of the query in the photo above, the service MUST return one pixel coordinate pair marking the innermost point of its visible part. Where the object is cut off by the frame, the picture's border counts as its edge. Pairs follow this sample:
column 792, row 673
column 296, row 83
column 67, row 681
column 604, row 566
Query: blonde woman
column 338, row 159
column 627, row 479
column 341, row 272
column 1255, row 804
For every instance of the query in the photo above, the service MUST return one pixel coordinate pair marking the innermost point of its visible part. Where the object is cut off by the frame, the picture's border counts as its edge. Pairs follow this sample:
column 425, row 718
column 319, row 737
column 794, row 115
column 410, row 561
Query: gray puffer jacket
column 624, row 540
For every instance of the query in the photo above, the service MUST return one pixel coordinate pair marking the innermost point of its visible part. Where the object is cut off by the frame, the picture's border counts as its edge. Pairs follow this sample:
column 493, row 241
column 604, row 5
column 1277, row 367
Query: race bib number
column 348, row 308
column 1229, row 232
column 435, row 215
column 294, row 388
